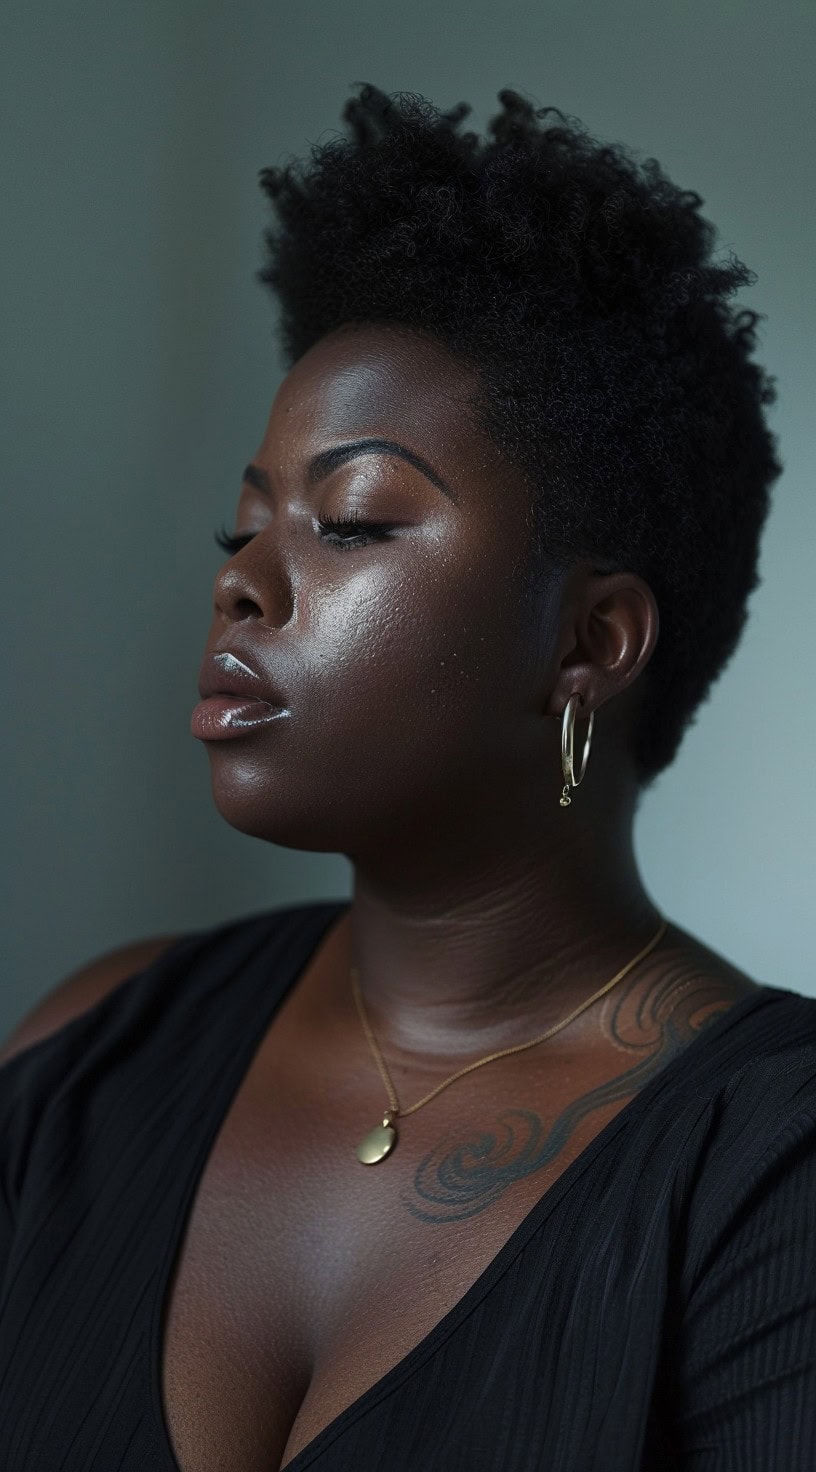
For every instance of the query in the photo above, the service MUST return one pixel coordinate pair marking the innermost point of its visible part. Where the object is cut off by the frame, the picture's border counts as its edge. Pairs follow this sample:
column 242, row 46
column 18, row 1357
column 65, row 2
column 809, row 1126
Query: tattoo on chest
column 466, row 1172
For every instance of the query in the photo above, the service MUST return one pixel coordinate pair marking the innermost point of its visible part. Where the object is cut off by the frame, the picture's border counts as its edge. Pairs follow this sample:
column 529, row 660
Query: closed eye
column 362, row 532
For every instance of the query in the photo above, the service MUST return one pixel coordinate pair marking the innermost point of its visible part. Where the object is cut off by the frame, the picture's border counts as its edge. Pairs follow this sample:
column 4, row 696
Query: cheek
column 413, row 688
column 416, row 652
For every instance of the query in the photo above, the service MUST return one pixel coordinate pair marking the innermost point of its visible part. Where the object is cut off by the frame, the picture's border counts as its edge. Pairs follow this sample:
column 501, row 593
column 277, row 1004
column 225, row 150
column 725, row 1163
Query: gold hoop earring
column 567, row 734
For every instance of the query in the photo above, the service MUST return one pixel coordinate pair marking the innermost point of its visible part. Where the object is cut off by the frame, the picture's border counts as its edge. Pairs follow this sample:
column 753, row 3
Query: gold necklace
column 380, row 1141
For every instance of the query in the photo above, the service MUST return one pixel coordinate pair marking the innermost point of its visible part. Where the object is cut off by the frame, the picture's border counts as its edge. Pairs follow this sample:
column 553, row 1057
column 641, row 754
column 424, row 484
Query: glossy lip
column 225, row 673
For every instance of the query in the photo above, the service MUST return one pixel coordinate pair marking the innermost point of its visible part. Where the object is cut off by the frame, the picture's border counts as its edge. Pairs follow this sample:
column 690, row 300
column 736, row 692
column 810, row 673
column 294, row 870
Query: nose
column 255, row 584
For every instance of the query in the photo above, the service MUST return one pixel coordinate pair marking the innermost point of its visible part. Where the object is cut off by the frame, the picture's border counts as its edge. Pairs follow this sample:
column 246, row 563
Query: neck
column 473, row 948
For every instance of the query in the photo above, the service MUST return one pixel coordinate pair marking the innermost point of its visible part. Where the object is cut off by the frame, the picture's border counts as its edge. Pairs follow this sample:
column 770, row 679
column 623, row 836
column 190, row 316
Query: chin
column 280, row 814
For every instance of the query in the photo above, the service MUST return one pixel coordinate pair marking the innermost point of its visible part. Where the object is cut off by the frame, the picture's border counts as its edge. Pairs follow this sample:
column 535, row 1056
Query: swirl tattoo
column 459, row 1179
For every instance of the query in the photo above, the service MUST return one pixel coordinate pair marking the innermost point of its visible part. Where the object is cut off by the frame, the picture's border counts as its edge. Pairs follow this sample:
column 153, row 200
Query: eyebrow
column 325, row 461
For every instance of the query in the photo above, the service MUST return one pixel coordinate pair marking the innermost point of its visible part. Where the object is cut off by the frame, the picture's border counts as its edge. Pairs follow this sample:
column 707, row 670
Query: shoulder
column 204, row 956
column 81, row 990
column 744, row 1340
column 754, row 1130
column 109, row 1028
column 770, row 1096
column 761, row 1066
column 777, row 1057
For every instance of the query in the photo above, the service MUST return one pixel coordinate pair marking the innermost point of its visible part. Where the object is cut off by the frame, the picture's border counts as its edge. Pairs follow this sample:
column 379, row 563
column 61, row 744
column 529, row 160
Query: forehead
column 382, row 381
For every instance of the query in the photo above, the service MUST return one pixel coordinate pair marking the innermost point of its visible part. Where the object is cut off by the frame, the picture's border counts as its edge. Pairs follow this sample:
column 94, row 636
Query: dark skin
column 426, row 678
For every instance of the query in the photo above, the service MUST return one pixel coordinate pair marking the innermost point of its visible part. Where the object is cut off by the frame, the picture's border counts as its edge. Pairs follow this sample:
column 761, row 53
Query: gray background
column 140, row 365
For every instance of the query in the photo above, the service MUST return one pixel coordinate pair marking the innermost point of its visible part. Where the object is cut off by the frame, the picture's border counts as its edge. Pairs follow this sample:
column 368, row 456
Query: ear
column 610, row 623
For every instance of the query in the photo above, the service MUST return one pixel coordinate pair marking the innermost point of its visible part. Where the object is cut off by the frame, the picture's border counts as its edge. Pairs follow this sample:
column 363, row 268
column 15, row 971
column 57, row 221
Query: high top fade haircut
column 579, row 283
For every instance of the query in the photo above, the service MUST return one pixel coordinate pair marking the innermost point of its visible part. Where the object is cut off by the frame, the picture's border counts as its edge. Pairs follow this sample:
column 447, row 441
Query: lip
column 235, row 698
column 221, row 717
column 225, row 672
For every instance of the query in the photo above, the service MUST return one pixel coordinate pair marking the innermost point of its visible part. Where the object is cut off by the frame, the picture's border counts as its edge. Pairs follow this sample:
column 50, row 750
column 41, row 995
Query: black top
column 655, row 1309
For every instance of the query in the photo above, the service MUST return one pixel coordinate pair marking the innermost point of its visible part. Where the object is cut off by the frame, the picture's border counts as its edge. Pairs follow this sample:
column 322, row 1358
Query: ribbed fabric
column 655, row 1310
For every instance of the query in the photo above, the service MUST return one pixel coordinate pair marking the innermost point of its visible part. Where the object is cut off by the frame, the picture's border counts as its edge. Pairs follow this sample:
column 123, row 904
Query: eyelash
column 365, row 532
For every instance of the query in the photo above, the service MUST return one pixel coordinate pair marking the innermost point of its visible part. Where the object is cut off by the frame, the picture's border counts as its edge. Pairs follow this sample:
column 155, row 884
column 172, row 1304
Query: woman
column 495, row 1166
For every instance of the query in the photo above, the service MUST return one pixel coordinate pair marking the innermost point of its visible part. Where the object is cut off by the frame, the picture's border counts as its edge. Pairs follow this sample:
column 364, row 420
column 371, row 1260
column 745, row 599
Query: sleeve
column 10, row 1077
column 746, row 1360
column 27, row 1081
column 6, row 1229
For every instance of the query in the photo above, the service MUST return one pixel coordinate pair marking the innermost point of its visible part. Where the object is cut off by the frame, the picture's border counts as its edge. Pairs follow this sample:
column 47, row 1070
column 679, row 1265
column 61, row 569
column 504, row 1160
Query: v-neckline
column 317, row 919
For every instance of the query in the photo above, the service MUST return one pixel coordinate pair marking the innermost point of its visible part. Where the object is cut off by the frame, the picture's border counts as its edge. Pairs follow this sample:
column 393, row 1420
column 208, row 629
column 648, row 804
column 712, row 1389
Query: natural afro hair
column 614, row 374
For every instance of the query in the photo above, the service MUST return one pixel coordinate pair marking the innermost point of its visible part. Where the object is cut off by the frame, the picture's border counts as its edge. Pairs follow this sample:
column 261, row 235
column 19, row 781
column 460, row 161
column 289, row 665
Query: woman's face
column 414, row 670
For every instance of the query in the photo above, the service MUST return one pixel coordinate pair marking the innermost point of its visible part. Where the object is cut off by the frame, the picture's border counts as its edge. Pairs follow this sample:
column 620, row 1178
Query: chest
column 302, row 1276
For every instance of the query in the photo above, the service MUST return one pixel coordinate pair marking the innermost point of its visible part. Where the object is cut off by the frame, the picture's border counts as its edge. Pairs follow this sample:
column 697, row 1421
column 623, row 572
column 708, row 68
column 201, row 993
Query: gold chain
column 503, row 1053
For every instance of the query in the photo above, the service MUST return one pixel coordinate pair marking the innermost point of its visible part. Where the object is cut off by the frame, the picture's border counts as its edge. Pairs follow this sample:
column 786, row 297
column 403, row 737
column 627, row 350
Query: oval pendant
column 378, row 1143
